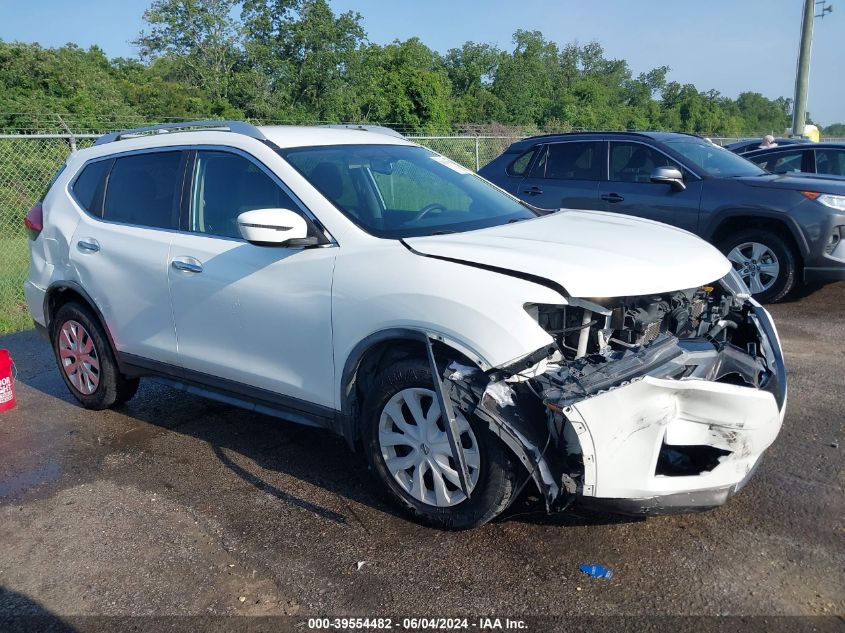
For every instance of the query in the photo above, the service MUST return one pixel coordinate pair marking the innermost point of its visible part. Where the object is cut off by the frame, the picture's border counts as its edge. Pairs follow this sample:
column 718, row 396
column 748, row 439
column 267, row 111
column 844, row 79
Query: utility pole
column 802, row 78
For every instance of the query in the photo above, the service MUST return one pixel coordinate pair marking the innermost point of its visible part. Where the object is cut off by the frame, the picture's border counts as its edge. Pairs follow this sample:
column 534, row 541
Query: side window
column 143, row 189
column 783, row 162
column 634, row 162
column 90, row 185
column 520, row 165
column 224, row 186
column 570, row 161
column 830, row 161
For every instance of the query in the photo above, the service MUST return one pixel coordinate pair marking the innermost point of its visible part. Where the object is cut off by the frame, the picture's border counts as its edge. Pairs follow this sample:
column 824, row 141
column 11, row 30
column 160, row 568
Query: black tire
column 787, row 278
column 497, row 481
column 113, row 387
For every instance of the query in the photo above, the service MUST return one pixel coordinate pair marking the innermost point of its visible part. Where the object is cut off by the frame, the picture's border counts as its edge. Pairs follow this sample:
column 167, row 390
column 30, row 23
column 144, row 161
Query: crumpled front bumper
column 619, row 436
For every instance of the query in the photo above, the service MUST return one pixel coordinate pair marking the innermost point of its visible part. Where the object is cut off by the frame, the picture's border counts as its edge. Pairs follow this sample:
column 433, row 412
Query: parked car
column 827, row 159
column 467, row 342
column 752, row 144
column 777, row 230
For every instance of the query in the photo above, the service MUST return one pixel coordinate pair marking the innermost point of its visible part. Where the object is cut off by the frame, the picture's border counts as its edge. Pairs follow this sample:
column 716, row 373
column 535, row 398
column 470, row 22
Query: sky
column 728, row 45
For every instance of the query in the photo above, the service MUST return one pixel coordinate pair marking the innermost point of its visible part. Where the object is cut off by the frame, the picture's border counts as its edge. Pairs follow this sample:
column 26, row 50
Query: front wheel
column 404, row 437
column 765, row 261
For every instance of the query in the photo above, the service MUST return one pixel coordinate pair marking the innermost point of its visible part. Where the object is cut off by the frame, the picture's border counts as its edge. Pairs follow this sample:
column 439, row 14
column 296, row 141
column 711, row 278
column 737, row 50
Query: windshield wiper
column 442, row 232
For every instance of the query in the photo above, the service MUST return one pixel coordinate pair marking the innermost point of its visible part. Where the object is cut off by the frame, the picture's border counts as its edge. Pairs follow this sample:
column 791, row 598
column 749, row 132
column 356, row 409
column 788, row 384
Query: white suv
column 346, row 278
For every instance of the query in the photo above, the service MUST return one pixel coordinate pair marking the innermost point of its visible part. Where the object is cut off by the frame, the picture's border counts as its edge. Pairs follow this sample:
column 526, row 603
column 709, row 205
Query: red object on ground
column 7, row 382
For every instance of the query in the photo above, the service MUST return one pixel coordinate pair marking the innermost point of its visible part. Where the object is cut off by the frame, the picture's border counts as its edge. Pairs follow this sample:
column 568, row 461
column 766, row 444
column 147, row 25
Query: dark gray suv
column 778, row 230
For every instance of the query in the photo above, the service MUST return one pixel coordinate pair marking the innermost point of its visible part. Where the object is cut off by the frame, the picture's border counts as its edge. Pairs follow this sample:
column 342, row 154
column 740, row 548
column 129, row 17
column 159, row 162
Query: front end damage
column 644, row 405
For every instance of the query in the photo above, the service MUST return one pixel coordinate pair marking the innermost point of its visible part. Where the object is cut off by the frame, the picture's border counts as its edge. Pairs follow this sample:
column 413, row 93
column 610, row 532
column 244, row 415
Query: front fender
column 478, row 312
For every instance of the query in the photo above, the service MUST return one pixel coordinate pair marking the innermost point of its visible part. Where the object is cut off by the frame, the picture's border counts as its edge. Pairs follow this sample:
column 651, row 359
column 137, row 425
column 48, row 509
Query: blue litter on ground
column 596, row 571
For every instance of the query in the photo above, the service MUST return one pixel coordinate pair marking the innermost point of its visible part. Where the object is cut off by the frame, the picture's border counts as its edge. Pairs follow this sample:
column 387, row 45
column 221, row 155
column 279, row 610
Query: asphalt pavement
column 175, row 505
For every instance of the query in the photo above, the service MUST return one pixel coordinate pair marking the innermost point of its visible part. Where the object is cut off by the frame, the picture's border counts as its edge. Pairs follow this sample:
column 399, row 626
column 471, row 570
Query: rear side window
column 143, row 189
column 89, row 186
column 520, row 165
column 830, row 161
column 781, row 162
column 570, row 161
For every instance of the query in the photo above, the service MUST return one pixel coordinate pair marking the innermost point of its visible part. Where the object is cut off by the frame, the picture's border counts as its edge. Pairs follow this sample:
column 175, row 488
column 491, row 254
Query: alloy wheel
column 78, row 357
column 416, row 451
column 757, row 264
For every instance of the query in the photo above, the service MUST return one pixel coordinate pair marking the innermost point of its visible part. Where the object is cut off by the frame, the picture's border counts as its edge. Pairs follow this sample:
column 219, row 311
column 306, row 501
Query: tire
column 493, row 472
column 80, row 344
column 765, row 261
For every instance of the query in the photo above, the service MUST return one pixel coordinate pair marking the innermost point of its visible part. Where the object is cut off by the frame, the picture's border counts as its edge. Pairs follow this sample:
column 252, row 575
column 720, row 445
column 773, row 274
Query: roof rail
column 238, row 127
column 377, row 129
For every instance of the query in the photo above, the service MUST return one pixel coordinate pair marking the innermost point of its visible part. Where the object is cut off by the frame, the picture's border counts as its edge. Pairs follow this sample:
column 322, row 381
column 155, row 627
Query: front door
column 255, row 315
column 629, row 189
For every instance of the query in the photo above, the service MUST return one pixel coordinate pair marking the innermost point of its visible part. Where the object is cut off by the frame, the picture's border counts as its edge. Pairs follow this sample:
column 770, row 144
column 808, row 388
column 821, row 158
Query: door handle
column 187, row 266
column 89, row 245
column 612, row 197
column 533, row 191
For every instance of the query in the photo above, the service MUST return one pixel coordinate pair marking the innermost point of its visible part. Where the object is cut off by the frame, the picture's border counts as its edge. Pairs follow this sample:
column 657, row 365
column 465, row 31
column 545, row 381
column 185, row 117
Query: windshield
column 397, row 191
column 714, row 160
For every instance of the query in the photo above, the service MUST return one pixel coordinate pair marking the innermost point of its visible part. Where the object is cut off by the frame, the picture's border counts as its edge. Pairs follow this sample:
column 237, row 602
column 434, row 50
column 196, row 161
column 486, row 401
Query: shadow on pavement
column 19, row 614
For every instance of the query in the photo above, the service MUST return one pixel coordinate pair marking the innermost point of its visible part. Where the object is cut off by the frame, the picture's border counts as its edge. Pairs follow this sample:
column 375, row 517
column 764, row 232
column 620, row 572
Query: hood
column 797, row 182
column 588, row 253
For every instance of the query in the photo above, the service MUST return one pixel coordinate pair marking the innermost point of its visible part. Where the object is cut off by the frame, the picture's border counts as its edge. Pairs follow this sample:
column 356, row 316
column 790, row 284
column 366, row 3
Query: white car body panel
column 589, row 253
column 134, row 259
column 622, row 431
column 256, row 315
column 463, row 304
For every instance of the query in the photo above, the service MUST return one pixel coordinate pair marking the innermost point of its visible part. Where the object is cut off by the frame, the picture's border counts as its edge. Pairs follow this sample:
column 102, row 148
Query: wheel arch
column 785, row 227
column 63, row 292
column 380, row 349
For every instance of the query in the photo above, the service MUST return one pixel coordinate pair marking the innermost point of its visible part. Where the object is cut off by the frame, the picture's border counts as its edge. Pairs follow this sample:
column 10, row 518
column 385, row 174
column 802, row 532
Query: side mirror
column 275, row 227
column 669, row 176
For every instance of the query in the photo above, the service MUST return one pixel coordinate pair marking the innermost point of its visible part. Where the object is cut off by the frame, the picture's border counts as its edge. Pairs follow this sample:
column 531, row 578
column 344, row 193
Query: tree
column 200, row 35
column 305, row 52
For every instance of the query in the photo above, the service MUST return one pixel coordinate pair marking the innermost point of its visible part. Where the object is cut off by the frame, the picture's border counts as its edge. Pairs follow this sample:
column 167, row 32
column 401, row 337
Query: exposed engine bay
column 640, row 399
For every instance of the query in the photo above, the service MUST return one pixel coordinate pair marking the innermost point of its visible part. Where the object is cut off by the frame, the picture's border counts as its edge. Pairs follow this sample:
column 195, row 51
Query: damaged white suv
column 349, row 279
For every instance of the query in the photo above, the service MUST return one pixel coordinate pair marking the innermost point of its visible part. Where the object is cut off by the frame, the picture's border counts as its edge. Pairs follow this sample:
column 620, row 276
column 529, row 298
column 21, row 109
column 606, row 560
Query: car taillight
column 34, row 221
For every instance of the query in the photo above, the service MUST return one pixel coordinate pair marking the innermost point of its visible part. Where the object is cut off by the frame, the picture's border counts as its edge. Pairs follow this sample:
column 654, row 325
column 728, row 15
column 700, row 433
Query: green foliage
column 834, row 129
column 296, row 60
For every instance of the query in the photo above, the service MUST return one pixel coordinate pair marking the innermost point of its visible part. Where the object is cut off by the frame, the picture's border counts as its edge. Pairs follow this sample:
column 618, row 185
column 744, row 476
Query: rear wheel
column 765, row 261
column 405, row 440
column 86, row 360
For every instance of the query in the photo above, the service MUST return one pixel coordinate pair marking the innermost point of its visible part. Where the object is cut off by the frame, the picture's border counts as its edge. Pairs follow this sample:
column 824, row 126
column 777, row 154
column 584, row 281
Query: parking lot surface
column 175, row 505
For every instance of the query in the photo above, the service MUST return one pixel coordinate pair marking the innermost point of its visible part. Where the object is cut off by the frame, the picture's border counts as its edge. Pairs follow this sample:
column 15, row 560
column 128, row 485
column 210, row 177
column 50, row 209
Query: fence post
column 477, row 159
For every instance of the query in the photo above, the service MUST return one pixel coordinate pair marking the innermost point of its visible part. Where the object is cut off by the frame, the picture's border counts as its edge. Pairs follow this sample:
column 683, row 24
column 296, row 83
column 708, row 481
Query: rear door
column 121, row 246
column 565, row 175
column 629, row 189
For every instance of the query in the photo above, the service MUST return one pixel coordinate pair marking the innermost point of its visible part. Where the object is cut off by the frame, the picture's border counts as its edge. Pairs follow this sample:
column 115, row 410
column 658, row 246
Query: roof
column 279, row 135
column 569, row 136
column 791, row 147
column 305, row 135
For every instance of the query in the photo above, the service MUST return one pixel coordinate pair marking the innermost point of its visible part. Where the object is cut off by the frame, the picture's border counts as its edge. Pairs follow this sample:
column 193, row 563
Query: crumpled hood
column 588, row 253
